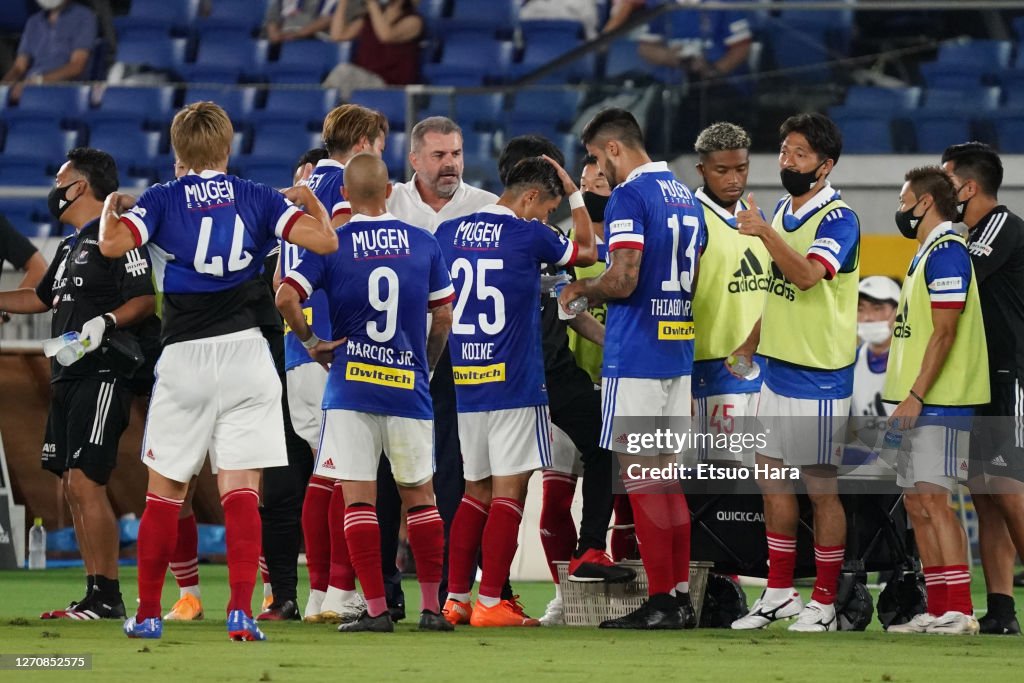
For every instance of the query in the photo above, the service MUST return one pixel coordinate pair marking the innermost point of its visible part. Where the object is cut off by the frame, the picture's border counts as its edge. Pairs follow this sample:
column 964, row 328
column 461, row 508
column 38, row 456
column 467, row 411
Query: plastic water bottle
column 747, row 368
column 893, row 439
column 37, row 545
column 67, row 348
column 576, row 306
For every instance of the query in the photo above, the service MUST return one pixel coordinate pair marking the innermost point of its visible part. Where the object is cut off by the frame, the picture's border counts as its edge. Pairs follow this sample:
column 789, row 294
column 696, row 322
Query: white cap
column 880, row 288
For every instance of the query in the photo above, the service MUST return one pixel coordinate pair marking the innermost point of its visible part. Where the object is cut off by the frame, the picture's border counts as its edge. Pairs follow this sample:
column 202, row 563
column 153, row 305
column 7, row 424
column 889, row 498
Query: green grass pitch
column 199, row 652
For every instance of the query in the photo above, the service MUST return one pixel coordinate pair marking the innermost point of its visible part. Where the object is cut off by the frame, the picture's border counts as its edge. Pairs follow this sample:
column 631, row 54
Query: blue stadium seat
column 557, row 107
column 554, row 30
column 805, row 50
column 866, row 134
column 308, row 61
column 494, row 17
column 160, row 15
column 14, row 16
column 623, row 58
column 478, row 150
column 822, row 19
column 983, row 55
column 937, row 131
column 540, row 53
column 1009, row 129
column 874, row 100
column 24, row 172
column 227, row 61
column 131, row 106
column 1012, row 82
column 37, row 141
column 515, row 127
column 235, row 15
column 479, row 111
column 166, row 55
column 49, row 103
column 291, row 106
column 952, row 76
column 133, row 150
column 391, row 103
column 396, row 155
column 281, row 145
column 238, row 103
column 471, row 62
column 274, row 174
column 937, row 100
column 432, row 11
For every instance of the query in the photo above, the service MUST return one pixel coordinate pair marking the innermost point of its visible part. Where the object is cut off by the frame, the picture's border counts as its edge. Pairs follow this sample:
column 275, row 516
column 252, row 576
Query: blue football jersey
column 209, row 234
column 326, row 182
column 650, row 333
column 495, row 344
column 380, row 284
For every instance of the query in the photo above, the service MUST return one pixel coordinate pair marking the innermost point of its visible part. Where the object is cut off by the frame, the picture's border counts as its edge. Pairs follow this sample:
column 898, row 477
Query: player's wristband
column 914, row 394
column 110, row 320
column 576, row 200
column 311, row 342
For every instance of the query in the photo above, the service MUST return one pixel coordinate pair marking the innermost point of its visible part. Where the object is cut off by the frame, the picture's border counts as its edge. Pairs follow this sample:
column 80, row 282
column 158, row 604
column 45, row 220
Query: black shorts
column 87, row 418
column 997, row 438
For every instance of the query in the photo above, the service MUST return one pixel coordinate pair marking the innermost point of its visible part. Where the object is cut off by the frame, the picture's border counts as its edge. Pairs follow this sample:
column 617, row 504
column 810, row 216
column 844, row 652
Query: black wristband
column 919, row 399
column 110, row 321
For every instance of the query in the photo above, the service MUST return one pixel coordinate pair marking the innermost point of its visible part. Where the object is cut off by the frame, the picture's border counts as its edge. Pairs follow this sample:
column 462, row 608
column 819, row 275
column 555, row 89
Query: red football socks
column 316, row 531
column 464, row 540
column 185, row 559
column 243, row 531
column 158, row 537
column 557, row 529
column 500, row 542
column 426, row 536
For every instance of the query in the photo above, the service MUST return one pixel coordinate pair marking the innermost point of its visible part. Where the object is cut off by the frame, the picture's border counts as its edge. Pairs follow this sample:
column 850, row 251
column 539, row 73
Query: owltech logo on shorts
column 378, row 374
column 479, row 374
column 675, row 330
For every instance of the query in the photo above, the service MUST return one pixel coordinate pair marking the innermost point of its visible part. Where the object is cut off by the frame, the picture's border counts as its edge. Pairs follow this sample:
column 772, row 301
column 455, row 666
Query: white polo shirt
column 406, row 204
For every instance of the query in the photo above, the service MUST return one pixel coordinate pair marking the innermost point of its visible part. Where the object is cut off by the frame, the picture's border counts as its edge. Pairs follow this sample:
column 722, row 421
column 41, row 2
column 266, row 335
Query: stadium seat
column 391, row 103
column 488, row 19
column 280, row 145
column 37, row 141
column 514, row 127
column 24, row 172
column 866, row 134
column 803, row 50
column 221, row 60
column 471, row 62
column 14, row 16
column 540, row 53
column 479, row 111
column 937, row 100
column 936, row 131
column 235, row 15
column 131, row 106
column 133, row 150
column 1018, row 28
column 308, row 61
column 557, row 107
column 478, row 151
column 238, row 103
column 981, row 55
column 1012, row 82
column 953, row 76
column 166, row 55
column 874, row 100
column 624, row 59
column 553, row 30
column 160, row 15
column 49, row 103
column 308, row 107
column 274, row 174
column 396, row 154
column 1009, row 130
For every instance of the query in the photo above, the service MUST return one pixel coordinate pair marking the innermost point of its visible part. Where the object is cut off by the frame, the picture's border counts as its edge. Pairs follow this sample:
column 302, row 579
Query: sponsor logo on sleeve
column 826, row 243
column 624, row 225
column 946, row 284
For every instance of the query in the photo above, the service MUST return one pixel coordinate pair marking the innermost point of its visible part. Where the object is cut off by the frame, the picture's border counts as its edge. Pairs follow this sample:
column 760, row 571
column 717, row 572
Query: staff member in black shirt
column 17, row 249
column 90, row 403
column 996, row 246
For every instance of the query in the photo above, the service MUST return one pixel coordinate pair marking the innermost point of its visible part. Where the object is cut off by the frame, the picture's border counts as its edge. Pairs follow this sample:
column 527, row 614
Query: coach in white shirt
column 436, row 192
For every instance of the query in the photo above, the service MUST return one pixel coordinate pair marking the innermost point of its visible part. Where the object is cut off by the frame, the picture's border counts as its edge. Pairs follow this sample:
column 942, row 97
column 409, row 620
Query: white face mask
column 49, row 4
column 876, row 332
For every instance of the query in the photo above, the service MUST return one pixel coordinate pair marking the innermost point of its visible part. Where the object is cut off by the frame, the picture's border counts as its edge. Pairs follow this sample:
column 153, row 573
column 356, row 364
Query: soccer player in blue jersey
column 380, row 285
column 654, row 229
column 495, row 257
column 347, row 130
column 808, row 334
column 217, row 391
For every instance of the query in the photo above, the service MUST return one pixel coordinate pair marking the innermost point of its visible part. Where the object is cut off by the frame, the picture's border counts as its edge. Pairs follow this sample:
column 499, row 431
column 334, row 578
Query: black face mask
column 595, row 204
column 798, row 184
column 907, row 222
column 57, row 201
column 716, row 199
column 961, row 207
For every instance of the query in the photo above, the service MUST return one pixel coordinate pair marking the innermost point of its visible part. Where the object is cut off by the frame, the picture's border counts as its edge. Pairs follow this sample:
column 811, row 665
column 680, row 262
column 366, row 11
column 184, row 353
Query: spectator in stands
column 55, row 46
column 582, row 11
column 387, row 45
column 16, row 248
column 288, row 20
column 878, row 297
column 707, row 44
column 621, row 11
column 99, row 298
